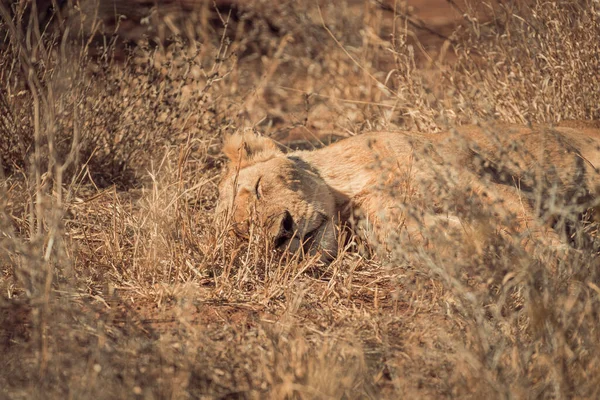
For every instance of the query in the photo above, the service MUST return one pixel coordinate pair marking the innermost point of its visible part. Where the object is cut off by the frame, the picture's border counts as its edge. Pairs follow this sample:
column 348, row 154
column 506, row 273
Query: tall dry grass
column 117, row 282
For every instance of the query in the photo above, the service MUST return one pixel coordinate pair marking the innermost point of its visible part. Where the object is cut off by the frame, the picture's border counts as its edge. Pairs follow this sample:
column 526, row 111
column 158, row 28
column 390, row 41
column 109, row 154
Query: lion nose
column 286, row 229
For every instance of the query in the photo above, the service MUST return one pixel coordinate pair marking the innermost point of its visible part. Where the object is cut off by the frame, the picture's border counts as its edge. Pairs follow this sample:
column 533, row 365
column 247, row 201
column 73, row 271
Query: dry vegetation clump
column 116, row 281
column 537, row 66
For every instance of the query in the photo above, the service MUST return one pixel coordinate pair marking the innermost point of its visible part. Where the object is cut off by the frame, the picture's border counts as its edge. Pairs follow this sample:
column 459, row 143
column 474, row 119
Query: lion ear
column 247, row 149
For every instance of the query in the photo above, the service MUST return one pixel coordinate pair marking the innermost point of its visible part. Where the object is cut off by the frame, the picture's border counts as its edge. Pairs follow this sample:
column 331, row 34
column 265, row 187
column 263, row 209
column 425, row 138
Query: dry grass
column 116, row 282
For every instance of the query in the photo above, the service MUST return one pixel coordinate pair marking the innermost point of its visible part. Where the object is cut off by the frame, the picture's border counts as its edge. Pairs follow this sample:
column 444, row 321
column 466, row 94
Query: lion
column 299, row 200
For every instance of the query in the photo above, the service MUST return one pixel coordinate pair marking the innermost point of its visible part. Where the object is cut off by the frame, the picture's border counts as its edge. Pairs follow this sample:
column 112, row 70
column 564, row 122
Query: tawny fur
column 376, row 176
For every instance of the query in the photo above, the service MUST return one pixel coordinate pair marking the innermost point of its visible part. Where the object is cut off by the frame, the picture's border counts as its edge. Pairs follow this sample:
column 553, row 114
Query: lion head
column 281, row 195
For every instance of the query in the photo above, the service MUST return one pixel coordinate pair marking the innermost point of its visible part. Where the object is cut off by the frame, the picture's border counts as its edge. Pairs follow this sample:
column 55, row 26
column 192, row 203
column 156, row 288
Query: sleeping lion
column 384, row 183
